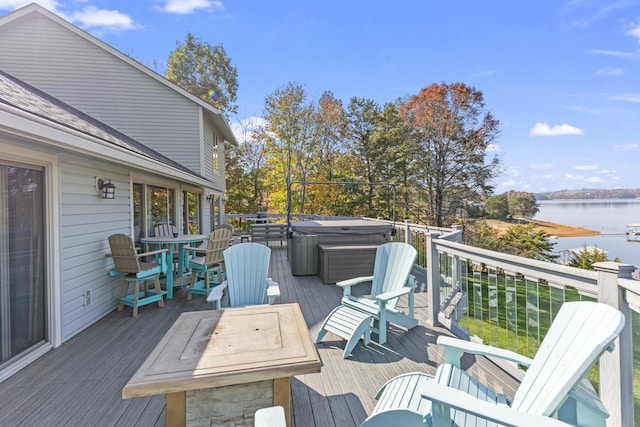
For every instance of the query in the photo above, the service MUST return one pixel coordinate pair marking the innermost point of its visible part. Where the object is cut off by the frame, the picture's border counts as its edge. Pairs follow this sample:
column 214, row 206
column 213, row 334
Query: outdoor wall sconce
column 106, row 187
column 210, row 198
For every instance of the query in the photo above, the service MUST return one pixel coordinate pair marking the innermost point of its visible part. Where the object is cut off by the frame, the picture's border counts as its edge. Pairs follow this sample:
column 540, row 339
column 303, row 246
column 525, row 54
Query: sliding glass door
column 23, row 296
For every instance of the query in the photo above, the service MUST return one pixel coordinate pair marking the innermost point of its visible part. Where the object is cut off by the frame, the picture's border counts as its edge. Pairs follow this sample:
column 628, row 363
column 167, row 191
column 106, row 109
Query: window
column 152, row 206
column 23, row 298
column 191, row 205
column 215, row 152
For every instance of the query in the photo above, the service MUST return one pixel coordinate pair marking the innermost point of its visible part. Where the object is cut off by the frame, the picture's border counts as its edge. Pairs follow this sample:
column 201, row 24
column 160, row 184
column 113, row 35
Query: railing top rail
column 582, row 280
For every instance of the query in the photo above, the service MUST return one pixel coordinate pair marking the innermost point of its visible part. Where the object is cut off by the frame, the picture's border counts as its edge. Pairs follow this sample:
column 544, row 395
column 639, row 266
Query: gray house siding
column 216, row 176
column 86, row 221
column 98, row 83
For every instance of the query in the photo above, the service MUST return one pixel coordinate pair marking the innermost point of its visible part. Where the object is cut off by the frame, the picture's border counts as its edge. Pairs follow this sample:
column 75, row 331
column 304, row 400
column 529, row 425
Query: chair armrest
column 191, row 248
column 386, row 296
column 347, row 284
column 500, row 414
column 159, row 251
column 454, row 346
column 273, row 290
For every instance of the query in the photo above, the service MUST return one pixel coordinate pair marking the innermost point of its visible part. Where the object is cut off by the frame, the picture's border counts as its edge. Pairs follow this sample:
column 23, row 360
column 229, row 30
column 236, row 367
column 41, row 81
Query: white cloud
column 635, row 31
column 543, row 129
column 626, row 147
column 244, row 129
column 630, row 97
column 484, row 73
column 615, row 53
column 541, row 166
column 51, row 5
column 493, row 148
column 549, row 176
column 102, row 19
column 581, row 178
column 609, row 71
column 585, row 167
column 608, row 171
column 184, row 7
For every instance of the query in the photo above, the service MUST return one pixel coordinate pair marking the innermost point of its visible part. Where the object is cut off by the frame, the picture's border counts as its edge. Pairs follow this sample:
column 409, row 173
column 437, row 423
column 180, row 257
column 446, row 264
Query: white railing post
column 407, row 231
column 433, row 280
column 616, row 381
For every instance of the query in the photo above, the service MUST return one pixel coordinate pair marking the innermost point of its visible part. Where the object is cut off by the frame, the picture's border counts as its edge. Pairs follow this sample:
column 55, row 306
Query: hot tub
column 307, row 235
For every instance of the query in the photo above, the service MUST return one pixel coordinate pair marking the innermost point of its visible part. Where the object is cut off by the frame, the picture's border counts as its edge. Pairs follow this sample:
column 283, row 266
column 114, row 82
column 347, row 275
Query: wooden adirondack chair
column 208, row 264
column 554, row 384
column 391, row 279
column 126, row 261
column 247, row 266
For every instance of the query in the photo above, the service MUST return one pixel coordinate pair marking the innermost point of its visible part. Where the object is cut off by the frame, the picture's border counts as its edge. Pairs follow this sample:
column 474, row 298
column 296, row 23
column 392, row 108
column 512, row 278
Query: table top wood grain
column 216, row 348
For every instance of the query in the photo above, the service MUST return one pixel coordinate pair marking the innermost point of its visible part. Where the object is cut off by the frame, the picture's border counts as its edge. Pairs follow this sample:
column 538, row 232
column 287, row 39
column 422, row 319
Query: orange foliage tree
column 453, row 135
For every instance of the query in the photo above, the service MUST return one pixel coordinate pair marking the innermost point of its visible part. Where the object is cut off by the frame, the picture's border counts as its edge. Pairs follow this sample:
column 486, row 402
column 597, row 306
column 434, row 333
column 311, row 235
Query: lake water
column 608, row 216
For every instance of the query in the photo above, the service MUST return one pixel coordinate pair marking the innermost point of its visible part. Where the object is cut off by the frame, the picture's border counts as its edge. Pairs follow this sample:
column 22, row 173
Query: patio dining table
column 170, row 242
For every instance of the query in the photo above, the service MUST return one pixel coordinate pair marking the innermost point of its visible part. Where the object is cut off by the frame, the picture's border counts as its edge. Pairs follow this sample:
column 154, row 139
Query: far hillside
column 590, row 193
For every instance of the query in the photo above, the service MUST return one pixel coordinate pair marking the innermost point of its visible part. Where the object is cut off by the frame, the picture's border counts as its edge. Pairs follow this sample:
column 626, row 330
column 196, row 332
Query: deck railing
column 510, row 301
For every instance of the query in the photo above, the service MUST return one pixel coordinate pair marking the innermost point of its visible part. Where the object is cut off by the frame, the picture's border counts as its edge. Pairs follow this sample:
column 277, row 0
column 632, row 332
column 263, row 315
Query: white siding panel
column 216, row 176
column 85, row 224
column 101, row 85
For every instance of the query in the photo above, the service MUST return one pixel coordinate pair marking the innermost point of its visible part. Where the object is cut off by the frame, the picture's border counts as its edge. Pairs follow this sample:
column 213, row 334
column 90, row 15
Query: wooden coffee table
column 220, row 365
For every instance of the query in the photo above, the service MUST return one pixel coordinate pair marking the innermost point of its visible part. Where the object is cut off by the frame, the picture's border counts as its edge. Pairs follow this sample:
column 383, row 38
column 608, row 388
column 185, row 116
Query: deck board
column 80, row 383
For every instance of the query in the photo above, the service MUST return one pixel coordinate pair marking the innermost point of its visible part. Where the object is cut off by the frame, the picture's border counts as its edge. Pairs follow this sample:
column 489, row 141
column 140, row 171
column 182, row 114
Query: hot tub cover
column 341, row 226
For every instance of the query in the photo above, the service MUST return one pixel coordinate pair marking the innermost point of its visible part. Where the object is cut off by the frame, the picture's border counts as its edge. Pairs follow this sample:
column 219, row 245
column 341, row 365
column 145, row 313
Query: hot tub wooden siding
column 346, row 260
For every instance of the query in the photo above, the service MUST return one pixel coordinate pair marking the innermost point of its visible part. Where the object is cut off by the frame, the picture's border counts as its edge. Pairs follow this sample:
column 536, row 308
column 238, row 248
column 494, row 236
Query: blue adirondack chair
column 207, row 267
column 247, row 266
column 554, row 384
column 391, row 279
column 130, row 264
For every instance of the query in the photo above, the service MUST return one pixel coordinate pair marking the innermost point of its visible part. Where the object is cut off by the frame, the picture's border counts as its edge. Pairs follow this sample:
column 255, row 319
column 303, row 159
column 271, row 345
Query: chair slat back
column 123, row 253
column 578, row 336
column 219, row 240
column 392, row 267
column 164, row 230
column 247, row 266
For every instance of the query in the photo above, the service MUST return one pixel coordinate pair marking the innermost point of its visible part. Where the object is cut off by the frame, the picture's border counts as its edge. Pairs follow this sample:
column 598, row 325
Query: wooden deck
column 80, row 383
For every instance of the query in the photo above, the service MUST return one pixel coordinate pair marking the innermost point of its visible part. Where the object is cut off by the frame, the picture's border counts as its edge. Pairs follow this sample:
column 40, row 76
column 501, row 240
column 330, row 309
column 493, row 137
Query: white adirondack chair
column 391, row 279
column 554, row 384
column 247, row 266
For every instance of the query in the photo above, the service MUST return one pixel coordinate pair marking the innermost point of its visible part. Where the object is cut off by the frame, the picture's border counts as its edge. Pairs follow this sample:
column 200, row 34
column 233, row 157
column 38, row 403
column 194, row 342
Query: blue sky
column 563, row 77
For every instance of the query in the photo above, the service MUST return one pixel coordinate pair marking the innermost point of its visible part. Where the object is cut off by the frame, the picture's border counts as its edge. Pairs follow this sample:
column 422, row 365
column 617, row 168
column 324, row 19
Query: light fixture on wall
column 106, row 188
column 210, row 198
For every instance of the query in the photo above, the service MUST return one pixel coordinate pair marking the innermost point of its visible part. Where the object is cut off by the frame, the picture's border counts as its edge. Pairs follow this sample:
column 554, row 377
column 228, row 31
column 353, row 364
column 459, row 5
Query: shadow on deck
column 80, row 383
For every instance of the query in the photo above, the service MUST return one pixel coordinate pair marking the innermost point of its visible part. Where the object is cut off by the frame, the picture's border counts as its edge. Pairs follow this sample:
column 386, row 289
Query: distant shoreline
column 551, row 228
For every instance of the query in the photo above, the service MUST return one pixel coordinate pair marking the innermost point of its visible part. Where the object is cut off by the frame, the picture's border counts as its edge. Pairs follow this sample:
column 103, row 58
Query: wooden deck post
column 616, row 381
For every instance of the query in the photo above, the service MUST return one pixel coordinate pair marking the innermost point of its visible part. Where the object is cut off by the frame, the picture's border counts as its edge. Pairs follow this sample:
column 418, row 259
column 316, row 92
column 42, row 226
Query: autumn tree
column 245, row 169
column 204, row 70
column 362, row 118
column 329, row 119
column 290, row 134
column 522, row 204
column 497, row 207
column 453, row 134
